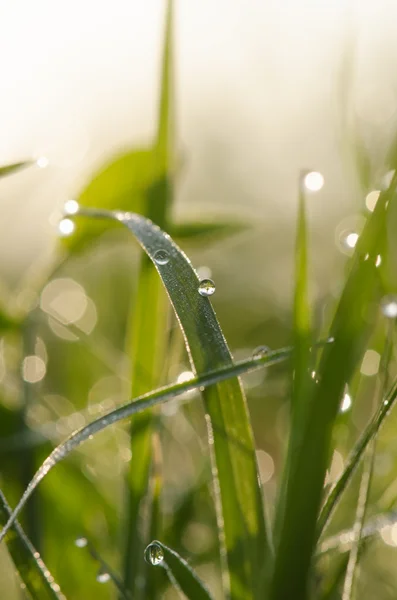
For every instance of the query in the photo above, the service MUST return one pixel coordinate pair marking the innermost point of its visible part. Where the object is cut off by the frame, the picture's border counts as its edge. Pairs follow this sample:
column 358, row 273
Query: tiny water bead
column 161, row 257
column 313, row 181
column 389, row 306
column 260, row 352
column 71, row 207
column 81, row 542
column 154, row 554
column 351, row 240
column 206, row 287
column 346, row 403
column 66, row 227
column 42, row 162
column 103, row 577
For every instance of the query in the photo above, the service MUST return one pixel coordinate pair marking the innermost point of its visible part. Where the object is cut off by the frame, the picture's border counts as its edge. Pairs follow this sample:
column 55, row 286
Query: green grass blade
column 240, row 509
column 9, row 169
column 355, row 456
column 34, row 574
column 301, row 358
column 178, row 570
column 350, row 329
column 197, row 232
column 138, row 405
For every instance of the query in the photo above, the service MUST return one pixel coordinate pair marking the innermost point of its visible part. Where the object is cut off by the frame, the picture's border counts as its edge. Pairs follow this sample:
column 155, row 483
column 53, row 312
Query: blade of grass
column 9, row 169
column 146, row 338
column 35, row 576
column 239, row 501
column 301, row 357
column 178, row 570
column 137, row 405
column 350, row 329
column 366, row 479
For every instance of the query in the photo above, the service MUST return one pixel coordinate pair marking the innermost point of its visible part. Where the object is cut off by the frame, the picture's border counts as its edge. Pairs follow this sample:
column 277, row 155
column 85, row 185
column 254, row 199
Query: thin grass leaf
column 13, row 168
column 350, row 329
column 355, row 456
column 366, row 479
column 138, row 405
column 238, row 497
column 35, row 576
column 301, row 357
column 180, row 573
column 146, row 337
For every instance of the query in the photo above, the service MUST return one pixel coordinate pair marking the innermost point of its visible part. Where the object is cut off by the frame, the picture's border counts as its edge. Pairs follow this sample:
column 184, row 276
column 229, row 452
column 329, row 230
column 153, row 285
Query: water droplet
column 81, row 542
column 351, row 240
column 260, row 352
column 161, row 257
column 313, row 181
column 206, row 287
column 378, row 261
column 372, row 199
column 66, row 227
column 42, row 162
column 154, row 554
column 71, row 207
column 346, row 403
column 103, row 577
column 389, row 306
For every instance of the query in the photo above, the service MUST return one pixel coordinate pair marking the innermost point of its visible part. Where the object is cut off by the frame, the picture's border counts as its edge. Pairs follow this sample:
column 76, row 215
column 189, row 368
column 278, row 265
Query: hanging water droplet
column 42, row 162
column 389, row 306
column 346, row 403
column 71, row 207
column 313, row 181
column 161, row 257
column 351, row 239
column 81, row 542
column 154, row 554
column 66, row 227
column 260, row 352
column 206, row 287
column 103, row 577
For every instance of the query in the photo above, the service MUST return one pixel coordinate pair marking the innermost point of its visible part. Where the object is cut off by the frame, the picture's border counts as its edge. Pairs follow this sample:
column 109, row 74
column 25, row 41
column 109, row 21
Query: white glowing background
column 259, row 98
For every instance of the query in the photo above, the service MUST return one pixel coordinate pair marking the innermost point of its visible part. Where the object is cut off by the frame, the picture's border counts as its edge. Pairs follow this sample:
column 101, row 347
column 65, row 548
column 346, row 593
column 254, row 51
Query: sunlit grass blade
column 136, row 406
column 146, row 335
column 34, row 574
column 350, row 329
column 301, row 357
column 13, row 168
column 355, row 456
column 239, row 504
column 178, row 570
column 366, row 479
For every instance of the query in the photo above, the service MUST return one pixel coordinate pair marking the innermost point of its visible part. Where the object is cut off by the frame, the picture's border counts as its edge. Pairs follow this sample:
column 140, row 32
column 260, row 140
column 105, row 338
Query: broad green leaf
column 350, row 329
column 136, row 406
column 146, row 336
column 34, row 574
column 9, row 169
column 179, row 571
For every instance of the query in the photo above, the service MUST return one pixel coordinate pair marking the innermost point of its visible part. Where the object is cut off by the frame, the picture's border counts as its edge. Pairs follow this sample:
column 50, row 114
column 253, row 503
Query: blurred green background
column 261, row 93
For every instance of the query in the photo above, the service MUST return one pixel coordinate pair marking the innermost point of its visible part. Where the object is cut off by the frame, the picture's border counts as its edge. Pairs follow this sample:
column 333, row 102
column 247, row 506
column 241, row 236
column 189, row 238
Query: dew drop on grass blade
column 179, row 571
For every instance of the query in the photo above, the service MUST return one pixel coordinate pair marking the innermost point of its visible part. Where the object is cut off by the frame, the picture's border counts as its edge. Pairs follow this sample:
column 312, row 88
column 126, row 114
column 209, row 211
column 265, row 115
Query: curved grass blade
column 350, row 329
column 9, row 169
column 239, row 499
column 180, row 573
column 34, row 574
column 355, row 456
column 138, row 405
